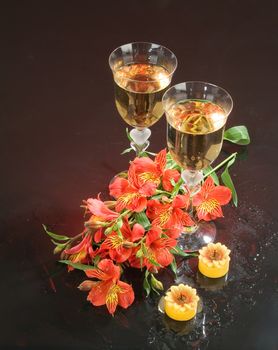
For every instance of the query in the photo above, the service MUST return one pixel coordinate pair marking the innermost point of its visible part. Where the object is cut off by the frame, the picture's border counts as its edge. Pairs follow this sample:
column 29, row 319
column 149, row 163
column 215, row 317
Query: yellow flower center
column 114, row 242
column 127, row 198
column 208, row 206
column 164, row 217
column 112, row 297
column 149, row 177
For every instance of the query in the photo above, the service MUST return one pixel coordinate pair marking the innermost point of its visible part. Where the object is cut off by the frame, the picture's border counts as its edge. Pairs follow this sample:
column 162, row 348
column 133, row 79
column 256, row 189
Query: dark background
column 61, row 140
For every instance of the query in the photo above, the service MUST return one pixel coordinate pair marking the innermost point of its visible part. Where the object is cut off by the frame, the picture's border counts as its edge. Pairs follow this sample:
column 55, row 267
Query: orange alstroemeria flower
column 170, row 216
column 81, row 253
column 130, row 193
column 209, row 200
column 158, row 249
column 109, row 290
column 148, row 171
column 121, row 248
column 144, row 176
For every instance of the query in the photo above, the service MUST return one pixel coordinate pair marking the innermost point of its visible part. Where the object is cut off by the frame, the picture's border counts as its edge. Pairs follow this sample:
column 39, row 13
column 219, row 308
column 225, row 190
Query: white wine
column 138, row 92
column 195, row 132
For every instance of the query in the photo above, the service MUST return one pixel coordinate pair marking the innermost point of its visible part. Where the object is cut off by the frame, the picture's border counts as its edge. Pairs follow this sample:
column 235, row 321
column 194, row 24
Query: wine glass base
column 197, row 237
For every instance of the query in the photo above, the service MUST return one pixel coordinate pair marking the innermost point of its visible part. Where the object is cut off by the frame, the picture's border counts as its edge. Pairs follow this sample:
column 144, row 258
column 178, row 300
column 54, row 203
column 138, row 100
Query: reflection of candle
column 214, row 260
column 181, row 302
column 211, row 284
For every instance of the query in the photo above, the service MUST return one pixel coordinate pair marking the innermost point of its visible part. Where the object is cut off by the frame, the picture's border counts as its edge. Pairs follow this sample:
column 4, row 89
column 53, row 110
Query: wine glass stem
column 192, row 180
column 140, row 140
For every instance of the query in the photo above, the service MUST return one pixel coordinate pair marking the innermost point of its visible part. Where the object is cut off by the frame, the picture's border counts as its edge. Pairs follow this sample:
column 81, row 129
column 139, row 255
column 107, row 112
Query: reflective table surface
column 61, row 139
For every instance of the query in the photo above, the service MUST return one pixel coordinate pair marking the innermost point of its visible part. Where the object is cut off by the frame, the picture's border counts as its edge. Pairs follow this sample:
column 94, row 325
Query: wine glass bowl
column 142, row 72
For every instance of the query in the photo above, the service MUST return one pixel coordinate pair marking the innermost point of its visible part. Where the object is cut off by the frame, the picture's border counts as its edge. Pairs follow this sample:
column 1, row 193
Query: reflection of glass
column 196, row 116
column 142, row 72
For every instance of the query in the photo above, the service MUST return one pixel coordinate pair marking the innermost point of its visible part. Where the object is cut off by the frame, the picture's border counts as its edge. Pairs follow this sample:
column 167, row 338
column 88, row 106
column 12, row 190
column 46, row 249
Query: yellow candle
column 180, row 302
column 214, row 260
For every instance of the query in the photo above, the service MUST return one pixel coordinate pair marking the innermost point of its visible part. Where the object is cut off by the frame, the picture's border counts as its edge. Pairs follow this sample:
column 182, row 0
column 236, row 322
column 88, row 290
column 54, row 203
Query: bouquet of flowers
column 139, row 227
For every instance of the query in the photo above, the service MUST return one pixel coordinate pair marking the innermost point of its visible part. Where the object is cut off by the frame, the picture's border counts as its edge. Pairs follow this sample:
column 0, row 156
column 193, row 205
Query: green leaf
column 155, row 263
column 59, row 246
column 77, row 265
column 171, row 164
column 96, row 260
column 177, row 251
column 227, row 181
column 127, row 150
column 213, row 174
column 151, row 153
column 146, row 284
column 177, row 188
column 237, row 134
column 142, row 219
column 173, row 266
column 55, row 236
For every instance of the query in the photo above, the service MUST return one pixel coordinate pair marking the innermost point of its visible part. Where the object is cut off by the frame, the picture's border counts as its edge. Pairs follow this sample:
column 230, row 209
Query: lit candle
column 180, row 302
column 214, row 260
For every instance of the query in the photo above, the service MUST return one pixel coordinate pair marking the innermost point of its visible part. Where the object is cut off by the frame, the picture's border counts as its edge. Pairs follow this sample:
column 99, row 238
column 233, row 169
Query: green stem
column 221, row 164
column 162, row 192
column 123, row 214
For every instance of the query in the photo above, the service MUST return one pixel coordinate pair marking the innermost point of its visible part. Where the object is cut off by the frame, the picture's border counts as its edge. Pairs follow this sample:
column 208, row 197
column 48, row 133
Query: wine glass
column 142, row 72
column 196, row 115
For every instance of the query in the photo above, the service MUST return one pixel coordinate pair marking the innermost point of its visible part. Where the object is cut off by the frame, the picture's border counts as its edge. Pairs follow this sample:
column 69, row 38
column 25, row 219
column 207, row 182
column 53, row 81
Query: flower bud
column 156, row 283
column 86, row 285
column 139, row 254
column 127, row 244
column 94, row 222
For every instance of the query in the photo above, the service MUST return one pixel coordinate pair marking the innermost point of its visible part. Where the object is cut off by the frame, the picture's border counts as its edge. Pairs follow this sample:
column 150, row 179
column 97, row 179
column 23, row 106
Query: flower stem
column 162, row 192
column 221, row 164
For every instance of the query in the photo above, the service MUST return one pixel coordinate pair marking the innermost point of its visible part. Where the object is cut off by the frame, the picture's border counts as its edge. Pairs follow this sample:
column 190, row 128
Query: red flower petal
column 97, row 295
column 77, row 248
column 173, row 232
column 106, row 270
column 148, row 189
column 135, row 262
column 118, row 187
column 137, row 232
column 222, row 194
column 138, row 204
column 168, row 175
column 197, row 199
column 160, row 160
column 126, row 294
column 98, row 235
column 153, row 235
column 181, row 201
column 153, row 206
column 208, row 185
column 98, row 208
column 163, row 257
column 143, row 164
column 120, row 255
